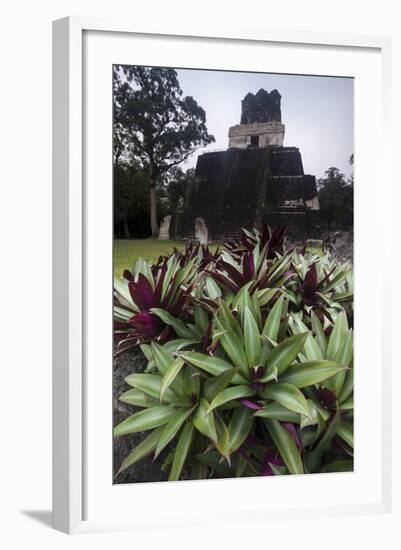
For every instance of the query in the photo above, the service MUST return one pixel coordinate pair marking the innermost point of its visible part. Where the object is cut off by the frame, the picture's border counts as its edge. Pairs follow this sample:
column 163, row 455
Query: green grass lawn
column 128, row 251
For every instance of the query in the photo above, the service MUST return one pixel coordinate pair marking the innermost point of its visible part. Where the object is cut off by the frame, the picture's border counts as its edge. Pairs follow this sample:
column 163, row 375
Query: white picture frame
column 71, row 417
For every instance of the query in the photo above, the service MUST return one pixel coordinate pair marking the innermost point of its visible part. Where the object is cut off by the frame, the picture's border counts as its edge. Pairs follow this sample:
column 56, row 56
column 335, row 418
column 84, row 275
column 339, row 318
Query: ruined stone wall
column 244, row 188
column 225, row 194
column 261, row 107
column 268, row 133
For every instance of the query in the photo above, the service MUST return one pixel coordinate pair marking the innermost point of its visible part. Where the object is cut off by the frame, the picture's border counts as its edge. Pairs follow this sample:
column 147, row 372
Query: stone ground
column 145, row 470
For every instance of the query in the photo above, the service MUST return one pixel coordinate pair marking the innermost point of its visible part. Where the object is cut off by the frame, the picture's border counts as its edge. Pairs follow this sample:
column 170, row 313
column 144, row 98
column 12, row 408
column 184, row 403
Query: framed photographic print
column 216, row 344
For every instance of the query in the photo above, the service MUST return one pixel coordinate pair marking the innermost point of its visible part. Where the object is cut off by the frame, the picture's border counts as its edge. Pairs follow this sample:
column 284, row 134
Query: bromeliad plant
column 270, row 240
column 321, row 285
column 145, row 298
column 243, row 379
column 201, row 253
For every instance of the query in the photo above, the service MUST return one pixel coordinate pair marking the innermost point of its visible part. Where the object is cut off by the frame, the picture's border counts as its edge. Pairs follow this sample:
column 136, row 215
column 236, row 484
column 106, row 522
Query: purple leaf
column 221, row 278
column 255, row 374
column 310, row 281
column 271, row 457
column 232, row 272
column 166, row 334
column 250, row 404
column 310, row 285
column 245, row 242
column 142, row 293
column 128, row 275
column 120, row 325
column 276, row 241
column 265, row 234
column 327, row 397
column 248, row 267
column 146, row 324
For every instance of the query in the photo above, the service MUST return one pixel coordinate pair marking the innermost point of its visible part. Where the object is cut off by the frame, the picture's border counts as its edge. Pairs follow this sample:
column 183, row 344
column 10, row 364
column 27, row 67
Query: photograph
column 205, row 191
column 233, row 239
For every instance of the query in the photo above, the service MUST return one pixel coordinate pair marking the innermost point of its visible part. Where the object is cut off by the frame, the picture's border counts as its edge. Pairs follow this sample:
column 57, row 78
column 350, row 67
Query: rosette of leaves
column 254, row 375
column 234, row 271
column 201, row 253
column 320, row 284
column 329, row 442
column 276, row 384
column 254, row 388
column 175, row 402
column 164, row 286
column 272, row 240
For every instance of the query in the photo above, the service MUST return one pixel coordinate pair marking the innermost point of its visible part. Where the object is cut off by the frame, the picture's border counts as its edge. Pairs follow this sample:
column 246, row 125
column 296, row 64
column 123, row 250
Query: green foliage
column 336, row 196
column 155, row 126
column 252, row 373
column 132, row 200
column 176, row 185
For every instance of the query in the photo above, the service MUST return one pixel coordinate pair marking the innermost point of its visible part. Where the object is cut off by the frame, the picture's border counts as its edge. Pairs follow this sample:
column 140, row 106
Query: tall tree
column 336, row 198
column 131, row 201
column 154, row 124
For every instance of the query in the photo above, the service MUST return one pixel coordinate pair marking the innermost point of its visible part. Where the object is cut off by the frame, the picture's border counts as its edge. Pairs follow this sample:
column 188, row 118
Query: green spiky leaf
column 181, row 452
column 145, row 420
column 286, row 446
column 313, row 372
column 288, row 396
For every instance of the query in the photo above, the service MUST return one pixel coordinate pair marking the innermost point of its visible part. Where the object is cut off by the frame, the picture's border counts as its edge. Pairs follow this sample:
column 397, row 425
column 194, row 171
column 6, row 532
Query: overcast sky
column 317, row 112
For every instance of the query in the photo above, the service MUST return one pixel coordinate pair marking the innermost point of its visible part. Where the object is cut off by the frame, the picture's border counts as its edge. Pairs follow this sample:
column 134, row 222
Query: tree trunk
column 153, row 211
column 126, row 230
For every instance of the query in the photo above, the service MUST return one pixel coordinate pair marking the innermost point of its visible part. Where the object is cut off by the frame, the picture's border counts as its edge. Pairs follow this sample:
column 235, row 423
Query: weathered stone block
column 341, row 245
column 258, row 134
column 164, row 229
column 243, row 188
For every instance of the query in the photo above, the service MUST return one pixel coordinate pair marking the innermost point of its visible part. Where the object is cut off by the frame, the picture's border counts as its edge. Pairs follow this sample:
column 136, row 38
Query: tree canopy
column 156, row 127
column 336, row 197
